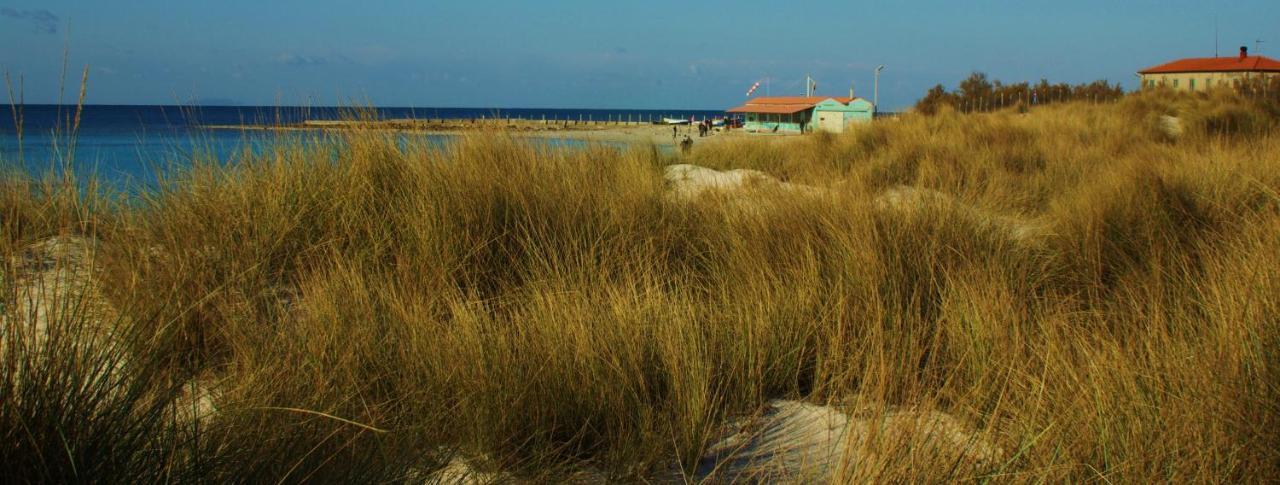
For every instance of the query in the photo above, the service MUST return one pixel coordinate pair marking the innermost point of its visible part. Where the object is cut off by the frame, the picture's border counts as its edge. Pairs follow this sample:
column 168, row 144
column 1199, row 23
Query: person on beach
column 686, row 145
column 675, row 131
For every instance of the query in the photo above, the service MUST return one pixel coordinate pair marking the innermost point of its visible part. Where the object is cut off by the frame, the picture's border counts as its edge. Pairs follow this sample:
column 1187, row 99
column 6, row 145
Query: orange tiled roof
column 770, row 108
column 785, row 104
column 796, row 99
column 1217, row 64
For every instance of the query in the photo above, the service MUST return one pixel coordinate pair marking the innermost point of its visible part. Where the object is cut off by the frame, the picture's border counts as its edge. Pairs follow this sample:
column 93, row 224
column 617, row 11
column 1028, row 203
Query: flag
column 753, row 89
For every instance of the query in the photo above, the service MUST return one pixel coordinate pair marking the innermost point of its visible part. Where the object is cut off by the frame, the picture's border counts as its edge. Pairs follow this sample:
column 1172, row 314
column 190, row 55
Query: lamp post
column 875, row 103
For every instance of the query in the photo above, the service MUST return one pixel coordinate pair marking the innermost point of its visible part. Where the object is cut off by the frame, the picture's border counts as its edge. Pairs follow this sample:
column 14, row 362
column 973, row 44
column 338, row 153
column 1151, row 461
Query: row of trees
column 979, row 94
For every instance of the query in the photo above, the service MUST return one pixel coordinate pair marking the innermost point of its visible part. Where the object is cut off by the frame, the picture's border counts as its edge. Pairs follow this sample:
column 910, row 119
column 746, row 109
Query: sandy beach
column 623, row 132
column 661, row 135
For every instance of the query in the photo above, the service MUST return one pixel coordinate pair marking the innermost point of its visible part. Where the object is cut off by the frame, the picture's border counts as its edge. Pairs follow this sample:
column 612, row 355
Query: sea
column 131, row 147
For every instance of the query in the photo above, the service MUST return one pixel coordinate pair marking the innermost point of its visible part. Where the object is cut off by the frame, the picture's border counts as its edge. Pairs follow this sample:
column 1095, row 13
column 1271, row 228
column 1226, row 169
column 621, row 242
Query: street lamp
column 875, row 103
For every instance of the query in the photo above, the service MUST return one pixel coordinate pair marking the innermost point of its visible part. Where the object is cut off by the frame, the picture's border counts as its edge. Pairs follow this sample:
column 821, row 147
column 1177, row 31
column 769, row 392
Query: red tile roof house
column 1204, row 73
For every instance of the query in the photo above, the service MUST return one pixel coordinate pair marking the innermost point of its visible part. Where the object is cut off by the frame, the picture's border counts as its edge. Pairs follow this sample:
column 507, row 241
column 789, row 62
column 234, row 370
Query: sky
column 654, row 54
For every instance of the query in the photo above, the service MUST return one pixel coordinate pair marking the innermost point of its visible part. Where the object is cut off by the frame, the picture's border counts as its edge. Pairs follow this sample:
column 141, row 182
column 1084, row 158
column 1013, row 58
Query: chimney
column 1244, row 53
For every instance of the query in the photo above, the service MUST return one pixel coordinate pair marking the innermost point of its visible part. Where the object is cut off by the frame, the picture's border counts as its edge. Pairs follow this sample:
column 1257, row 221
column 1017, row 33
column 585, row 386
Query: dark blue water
column 129, row 146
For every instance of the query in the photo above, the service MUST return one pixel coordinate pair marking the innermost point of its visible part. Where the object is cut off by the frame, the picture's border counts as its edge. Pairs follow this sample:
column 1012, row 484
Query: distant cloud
column 44, row 21
column 301, row 60
column 365, row 55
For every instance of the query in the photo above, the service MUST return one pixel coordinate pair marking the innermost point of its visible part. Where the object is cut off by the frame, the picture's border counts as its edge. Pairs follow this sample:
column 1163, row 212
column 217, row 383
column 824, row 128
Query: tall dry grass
column 1098, row 297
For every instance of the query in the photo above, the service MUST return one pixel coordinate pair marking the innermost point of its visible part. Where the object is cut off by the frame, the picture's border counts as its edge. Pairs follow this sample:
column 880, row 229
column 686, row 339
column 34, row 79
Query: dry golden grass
column 1099, row 298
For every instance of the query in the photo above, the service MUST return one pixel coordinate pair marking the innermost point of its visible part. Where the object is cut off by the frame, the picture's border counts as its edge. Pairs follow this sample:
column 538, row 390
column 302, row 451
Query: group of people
column 705, row 127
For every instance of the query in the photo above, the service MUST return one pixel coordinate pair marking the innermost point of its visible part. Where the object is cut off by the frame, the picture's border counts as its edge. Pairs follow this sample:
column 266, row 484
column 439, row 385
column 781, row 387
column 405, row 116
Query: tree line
column 977, row 93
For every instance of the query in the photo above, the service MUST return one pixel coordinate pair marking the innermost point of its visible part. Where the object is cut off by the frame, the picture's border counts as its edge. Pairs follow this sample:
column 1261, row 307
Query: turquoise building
column 834, row 116
column 801, row 114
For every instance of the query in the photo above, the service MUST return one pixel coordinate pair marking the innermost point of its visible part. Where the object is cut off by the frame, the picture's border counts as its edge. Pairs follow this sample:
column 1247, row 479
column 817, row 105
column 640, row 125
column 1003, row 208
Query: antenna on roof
column 1257, row 46
column 1215, row 34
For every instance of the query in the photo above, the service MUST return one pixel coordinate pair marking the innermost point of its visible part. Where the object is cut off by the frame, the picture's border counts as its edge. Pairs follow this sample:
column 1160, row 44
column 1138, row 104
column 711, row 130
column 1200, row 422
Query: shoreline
column 611, row 132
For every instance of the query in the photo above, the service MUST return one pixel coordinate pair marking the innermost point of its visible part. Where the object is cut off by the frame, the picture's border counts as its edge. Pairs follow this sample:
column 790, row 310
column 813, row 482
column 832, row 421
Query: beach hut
column 834, row 116
column 796, row 114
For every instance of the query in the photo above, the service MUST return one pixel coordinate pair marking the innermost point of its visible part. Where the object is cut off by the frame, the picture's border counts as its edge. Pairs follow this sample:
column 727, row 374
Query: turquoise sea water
column 128, row 147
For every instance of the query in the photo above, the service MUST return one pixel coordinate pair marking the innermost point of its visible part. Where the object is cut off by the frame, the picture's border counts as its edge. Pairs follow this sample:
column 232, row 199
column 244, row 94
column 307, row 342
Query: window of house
column 1193, row 84
column 1175, row 83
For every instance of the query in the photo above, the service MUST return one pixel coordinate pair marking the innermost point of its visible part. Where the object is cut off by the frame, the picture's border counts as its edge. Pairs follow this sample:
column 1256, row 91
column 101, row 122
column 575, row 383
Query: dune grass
column 365, row 309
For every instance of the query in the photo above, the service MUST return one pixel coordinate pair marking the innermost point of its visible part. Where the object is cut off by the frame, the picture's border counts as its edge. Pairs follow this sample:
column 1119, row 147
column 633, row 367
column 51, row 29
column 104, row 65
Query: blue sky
column 593, row 53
